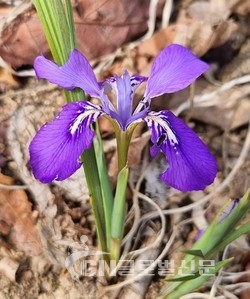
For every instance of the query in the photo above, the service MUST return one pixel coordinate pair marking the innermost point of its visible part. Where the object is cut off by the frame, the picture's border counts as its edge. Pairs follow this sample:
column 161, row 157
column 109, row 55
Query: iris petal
column 191, row 165
column 76, row 72
column 136, row 80
column 173, row 69
column 123, row 88
column 56, row 148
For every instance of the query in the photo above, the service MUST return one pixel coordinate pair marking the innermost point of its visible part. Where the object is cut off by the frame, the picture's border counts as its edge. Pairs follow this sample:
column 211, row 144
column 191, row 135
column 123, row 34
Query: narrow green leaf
column 187, row 287
column 106, row 190
column 58, row 24
column 215, row 233
column 118, row 215
column 242, row 230
column 215, row 238
column 119, row 204
column 196, row 252
column 71, row 23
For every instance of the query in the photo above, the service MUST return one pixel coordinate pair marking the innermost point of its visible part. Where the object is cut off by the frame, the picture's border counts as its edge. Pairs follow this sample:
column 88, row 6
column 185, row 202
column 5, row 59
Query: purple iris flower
column 56, row 149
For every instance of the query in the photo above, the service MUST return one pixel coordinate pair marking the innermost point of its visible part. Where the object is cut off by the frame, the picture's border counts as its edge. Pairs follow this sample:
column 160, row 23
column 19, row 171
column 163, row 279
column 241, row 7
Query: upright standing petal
column 76, row 72
column 124, row 98
column 55, row 150
column 123, row 88
column 136, row 80
column 173, row 69
column 191, row 165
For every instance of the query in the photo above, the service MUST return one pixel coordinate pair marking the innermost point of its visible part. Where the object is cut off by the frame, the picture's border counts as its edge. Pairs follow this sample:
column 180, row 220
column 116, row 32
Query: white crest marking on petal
column 77, row 122
column 170, row 134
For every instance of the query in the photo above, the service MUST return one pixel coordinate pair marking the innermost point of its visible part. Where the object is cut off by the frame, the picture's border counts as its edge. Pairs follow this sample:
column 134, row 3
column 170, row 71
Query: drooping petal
column 76, row 72
column 173, row 69
column 55, row 150
column 191, row 165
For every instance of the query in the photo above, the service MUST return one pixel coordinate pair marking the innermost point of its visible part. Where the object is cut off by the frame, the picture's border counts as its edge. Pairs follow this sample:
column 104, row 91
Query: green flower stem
column 58, row 24
column 119, row 213
column 123, row 139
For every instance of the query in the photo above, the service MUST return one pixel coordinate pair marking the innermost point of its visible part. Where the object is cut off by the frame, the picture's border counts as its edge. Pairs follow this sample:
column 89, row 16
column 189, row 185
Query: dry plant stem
column 139, row 288
column 12, row 187
column 127, row 240
column 208, row 96
column 228, row 295
column 196, row 296
column 218, row 279
column 147, row 270
column 149, row 253
column 163, row 228
column 12, row 16
column 233, row 287
column 137, row 212
column 166, row 14
column 232, row 276
column 152, row 19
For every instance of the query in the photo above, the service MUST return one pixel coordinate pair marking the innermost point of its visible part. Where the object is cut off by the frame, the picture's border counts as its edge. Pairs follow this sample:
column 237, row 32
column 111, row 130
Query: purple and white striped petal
column 136, row 80
column 55, row 150
column 191, row 165
column 76, row 72
column 173, row 69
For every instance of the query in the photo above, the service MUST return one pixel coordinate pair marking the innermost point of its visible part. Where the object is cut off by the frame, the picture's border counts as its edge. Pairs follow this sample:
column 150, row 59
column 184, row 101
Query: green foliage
column 57, row 21
column 216, row 237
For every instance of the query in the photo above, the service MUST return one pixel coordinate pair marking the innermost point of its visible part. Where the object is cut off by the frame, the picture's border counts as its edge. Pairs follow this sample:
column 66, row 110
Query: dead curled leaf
column 205, row 25
column 231, row 111
column 200, row 27
column 16, row 217
column 101, row 27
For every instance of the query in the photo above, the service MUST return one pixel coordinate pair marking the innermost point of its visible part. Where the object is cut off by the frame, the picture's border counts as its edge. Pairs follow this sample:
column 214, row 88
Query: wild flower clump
column 55, row 150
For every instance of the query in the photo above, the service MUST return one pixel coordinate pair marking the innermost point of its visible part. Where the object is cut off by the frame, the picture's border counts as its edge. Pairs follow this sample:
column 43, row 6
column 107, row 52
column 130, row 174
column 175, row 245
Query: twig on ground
column 218, row 279
column 13, row 187
column 207, row 97
column 147, row 270
column 166, row 13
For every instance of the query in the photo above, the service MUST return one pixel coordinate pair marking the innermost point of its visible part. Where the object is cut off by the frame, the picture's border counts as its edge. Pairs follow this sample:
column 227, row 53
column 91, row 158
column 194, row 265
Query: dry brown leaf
column 242, row 8
column 7, row 79
column 5, row 180
column 201, row 26
column 227, row 118
column 9, row 268
column 241, row 181
column 205, row 25
column 101, row 27
column 238, row 66
column 16, row 216
column 161, row 39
